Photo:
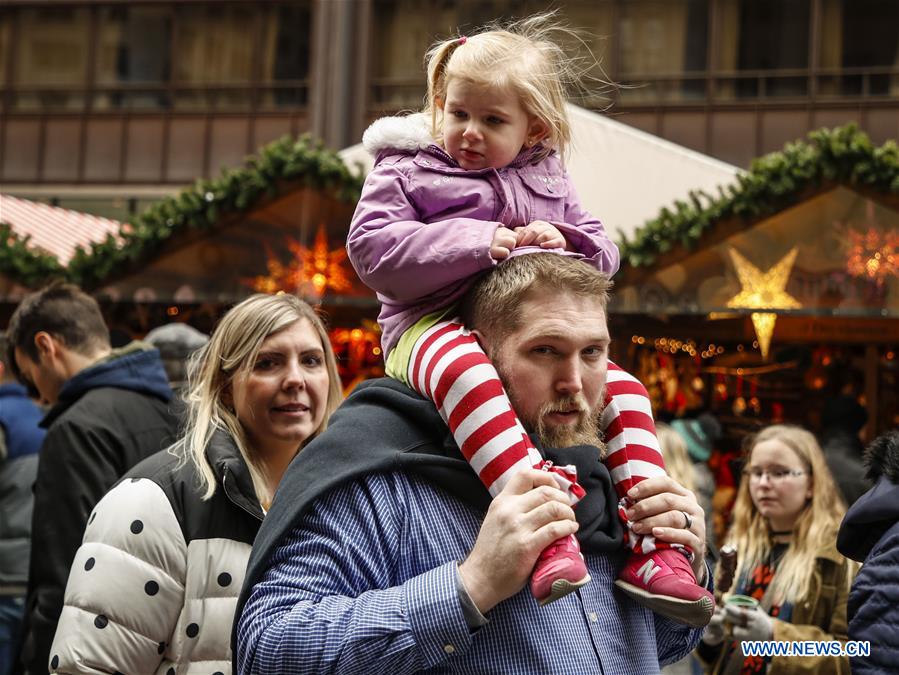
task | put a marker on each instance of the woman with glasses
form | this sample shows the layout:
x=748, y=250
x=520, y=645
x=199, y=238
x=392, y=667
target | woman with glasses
x=785, y=522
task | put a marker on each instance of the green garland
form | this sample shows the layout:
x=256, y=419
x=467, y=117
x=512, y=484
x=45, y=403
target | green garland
x=773, y=183
x=202, y=206
x=23, y=264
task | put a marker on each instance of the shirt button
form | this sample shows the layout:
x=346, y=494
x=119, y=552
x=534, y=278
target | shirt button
x=593, y=617
x=449, y=649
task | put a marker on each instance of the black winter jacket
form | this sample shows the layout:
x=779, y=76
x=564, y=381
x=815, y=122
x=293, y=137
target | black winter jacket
x=870, y=534
x=108, y=418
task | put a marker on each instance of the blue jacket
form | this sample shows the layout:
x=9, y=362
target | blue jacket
x=19, y=419
x=870, y=533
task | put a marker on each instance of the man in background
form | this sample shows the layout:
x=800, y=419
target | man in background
x=109, y=410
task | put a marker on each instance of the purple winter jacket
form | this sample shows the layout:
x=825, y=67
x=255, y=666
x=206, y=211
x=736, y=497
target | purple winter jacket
x=421, y=232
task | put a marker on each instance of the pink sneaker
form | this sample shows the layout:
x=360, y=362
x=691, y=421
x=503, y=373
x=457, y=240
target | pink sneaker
x=664, y=582
x=560, y=569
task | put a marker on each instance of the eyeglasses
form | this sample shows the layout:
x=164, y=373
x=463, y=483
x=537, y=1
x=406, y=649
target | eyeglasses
x=775, y=475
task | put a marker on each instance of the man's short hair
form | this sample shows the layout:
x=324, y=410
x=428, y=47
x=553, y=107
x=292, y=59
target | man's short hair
x=493, y=304
x=64, y=311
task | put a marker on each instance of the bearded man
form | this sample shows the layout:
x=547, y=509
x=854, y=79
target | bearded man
x=383, y=552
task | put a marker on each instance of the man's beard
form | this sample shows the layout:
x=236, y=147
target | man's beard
x=585, y=431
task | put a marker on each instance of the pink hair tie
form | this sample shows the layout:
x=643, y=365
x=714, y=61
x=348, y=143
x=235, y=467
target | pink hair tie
x=461, y=41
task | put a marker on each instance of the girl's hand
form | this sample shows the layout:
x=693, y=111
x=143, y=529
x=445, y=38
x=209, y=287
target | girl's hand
x=542, y=234
x=504, y=241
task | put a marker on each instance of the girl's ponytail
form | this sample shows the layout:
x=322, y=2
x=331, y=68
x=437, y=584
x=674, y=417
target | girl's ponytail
x=437, y=60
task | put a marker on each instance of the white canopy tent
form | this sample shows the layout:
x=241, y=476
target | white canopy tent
x=623, y=175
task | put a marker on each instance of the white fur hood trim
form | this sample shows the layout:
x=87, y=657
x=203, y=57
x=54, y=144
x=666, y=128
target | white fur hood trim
x=410, y=133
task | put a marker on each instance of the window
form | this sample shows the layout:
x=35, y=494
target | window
x=6, y=19
x=759, y=38
x=51, y=58
x=663, y=49
x=285, y=58
x=214, y=48
x=133, y=57
x=859, y=48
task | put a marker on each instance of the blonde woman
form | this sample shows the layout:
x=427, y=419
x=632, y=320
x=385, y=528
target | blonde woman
x=155, y=582
x=674, y=452
x=785, y=522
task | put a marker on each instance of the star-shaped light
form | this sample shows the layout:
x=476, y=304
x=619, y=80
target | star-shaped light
x=763, y=290
x=310, y=272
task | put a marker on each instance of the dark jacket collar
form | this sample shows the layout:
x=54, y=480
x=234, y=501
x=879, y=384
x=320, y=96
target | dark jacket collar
x=232, y=473
x=868, y=519
x=137, y=368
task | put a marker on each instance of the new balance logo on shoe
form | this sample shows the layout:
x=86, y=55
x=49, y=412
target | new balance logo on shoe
x=648, y=571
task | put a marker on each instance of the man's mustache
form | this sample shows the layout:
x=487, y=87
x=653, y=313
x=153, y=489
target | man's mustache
x=567, y=404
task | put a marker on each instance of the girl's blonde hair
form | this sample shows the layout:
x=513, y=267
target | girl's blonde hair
x=674, y=452
x=230, y=354
x=524, y=56
x=816, y=526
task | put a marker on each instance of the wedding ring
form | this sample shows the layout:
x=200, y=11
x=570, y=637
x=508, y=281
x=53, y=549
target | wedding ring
x=688, y=521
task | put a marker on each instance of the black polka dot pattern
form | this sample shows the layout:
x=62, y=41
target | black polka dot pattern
x=54, y=662
x=161, y=648
x=137, y=527
x=218, y=672
x=170, y=671
x=93, y=515
x=89, y=564
x=193, y=630
x=151, y=588
x=224, y=579
x=101, y=621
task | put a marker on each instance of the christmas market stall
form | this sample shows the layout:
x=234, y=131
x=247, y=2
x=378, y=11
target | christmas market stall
x=774, y=297
x=276, y=224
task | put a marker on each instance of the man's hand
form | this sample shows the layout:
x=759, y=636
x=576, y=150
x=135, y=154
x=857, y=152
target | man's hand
x=661, y=503
x=526, y=517
x=542, y=234
x=504, y=240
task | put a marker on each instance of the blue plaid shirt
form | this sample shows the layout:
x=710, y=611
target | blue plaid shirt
x=368, y=585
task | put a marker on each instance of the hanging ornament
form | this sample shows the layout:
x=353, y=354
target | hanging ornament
x=721, y=388
x=755, y=405
x=739, y=405
x=777, y=412
x=872, y=253
x=816, y=377
x=763, y=290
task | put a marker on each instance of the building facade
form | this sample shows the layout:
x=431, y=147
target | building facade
x=108, y=105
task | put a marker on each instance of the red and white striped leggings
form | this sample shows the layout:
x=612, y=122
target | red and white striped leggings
x=449, y=367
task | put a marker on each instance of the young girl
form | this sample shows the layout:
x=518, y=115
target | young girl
x=454, y=191
x=785, y=524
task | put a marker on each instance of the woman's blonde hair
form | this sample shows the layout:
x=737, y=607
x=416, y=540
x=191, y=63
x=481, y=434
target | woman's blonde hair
x=229, y=354
x=815, y=527
x=674, y=452
x=524, y=56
